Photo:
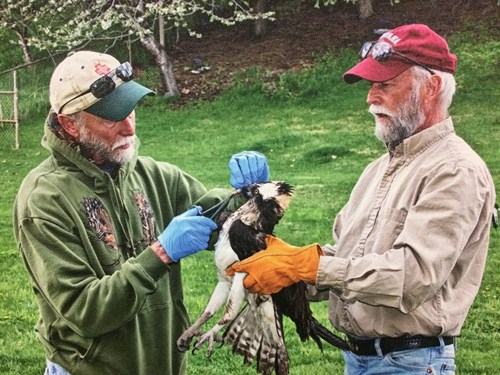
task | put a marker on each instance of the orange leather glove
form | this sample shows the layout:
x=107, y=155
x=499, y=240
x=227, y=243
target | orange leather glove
x=279, y=266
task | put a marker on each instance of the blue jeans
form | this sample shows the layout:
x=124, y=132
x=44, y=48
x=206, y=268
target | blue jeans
x=54, y=369
x=438, y=360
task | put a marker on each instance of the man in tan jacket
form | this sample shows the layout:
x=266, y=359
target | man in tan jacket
x=411, y=242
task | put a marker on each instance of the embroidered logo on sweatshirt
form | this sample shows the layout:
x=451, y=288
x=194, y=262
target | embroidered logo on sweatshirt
x=99, y=220
x=147, y=217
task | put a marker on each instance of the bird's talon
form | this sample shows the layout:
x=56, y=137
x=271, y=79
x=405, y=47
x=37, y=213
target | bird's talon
x=196, y=346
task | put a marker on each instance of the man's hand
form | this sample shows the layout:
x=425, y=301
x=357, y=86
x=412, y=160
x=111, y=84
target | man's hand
x=187, y=234
x=248, y=167
x=278, y=267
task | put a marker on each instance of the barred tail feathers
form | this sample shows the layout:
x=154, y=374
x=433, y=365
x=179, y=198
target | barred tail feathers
x=244, y=335
x=257, y=333
x=273, y=354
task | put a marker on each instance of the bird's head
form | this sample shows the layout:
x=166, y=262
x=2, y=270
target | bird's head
x=267, y=204
x=277, y=191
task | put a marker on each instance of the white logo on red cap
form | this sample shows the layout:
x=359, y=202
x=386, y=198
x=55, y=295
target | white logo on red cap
x=394, y=39
x=102, y=69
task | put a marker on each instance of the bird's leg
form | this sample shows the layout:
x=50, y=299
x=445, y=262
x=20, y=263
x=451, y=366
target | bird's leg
x=236, y=296
x=217, y=299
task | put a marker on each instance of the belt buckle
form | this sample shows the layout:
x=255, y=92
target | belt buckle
x=354, y=346
x=362, y=348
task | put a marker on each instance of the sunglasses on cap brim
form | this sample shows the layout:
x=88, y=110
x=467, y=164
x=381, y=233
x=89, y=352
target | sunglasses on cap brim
x=383, y=51
x=106, y=84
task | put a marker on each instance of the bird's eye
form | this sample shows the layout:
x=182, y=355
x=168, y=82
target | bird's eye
x=256, y=192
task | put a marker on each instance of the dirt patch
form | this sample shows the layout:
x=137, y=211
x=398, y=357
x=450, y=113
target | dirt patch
x=294, y=40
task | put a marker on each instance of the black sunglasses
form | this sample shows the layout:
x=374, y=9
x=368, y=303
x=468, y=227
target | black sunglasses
x=383, y=51
x=106, y=84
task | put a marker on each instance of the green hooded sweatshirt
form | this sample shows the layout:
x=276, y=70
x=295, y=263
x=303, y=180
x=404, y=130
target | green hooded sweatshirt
x=108, y=304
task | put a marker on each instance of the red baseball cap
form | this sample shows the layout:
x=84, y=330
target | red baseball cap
x=417, y=42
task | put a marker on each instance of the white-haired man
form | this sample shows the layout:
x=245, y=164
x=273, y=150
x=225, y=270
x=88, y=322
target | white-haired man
x=101, y=230
x=411, y=242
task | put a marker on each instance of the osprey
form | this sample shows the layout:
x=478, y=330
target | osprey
x=256, y=331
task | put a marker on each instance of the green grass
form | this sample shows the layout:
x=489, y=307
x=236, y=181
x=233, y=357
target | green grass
x=317, y=135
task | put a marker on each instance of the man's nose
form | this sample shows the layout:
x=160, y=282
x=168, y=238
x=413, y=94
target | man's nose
x=373, y=96
x=127, y=125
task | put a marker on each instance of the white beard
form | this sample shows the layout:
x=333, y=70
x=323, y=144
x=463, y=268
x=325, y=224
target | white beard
x=94, y=147
x=400, y=124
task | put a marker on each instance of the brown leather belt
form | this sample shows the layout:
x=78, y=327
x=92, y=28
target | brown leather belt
x=395, y=344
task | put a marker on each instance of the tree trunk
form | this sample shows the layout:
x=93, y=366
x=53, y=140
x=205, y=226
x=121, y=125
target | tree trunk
x=365, y=9
x=25, y=48
x=164, y=64
x=260, y=25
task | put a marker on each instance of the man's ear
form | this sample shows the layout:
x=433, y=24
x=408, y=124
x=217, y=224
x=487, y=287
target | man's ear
x=432, y=87
x=69, y=125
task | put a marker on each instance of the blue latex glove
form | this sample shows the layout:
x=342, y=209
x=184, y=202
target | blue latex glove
x=187, y=234
x=248, y=167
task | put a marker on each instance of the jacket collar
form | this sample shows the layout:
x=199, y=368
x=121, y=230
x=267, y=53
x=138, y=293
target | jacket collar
x=419, y=142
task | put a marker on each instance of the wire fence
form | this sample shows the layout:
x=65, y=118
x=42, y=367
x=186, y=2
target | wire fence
x=9, y=114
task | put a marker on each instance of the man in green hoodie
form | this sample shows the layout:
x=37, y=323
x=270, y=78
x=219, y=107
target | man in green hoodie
x=101, y=230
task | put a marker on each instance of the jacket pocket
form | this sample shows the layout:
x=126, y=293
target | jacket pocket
x=388, y=228
x=89, y=354
x=107, y=254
